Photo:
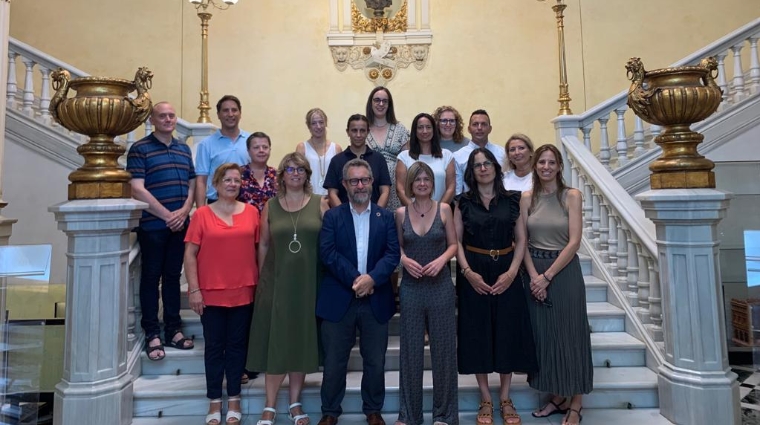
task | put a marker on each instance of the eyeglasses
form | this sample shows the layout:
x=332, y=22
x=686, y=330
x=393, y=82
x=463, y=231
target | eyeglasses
x=230, y=180
x=364, y=180
x=378, y=101
x=295, y=170
x=447, y=121
x=485, y=164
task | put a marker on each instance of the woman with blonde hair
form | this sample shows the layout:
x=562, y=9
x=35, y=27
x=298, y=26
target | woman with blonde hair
x=519, y=163
x=317, y=149
x=284, y=332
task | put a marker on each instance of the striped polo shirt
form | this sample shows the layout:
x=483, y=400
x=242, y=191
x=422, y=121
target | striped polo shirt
x=167, y=171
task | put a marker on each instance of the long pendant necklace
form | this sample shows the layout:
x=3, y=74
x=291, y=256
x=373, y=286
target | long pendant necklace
x=321, y=159
x=414, y=205
x=295, y=245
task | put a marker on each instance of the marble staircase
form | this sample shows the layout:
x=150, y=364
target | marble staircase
x=174, y=389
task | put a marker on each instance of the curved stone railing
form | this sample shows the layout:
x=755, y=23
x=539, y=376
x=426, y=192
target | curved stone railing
x=620, y=239
x=32, y=96
x=613, y=117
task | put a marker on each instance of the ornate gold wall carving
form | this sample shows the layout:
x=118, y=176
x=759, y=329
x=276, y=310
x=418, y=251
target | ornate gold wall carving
x=362, y=24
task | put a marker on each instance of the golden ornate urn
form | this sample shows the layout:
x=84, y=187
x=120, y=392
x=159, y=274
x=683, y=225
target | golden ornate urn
x=675, y=98
x=101, y=110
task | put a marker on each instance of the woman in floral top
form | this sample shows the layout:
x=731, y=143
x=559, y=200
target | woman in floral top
x=259, y=180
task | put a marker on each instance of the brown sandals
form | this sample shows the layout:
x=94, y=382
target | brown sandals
x=509, y=418
x=485, y=418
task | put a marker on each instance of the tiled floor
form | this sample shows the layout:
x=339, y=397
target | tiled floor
x=749, y=393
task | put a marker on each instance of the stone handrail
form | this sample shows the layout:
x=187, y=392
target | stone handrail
x=32, y=97
x=620, y=239
x=613, y=116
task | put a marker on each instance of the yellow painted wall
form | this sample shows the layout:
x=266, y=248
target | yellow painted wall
x=496, y=54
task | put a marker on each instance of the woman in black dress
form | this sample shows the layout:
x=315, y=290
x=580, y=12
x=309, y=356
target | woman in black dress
x=494, y=332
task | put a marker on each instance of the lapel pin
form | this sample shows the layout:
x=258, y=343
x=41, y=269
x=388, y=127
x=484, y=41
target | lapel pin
x=377, y=213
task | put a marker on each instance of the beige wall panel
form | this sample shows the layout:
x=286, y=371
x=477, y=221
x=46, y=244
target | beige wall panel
x=500, y=55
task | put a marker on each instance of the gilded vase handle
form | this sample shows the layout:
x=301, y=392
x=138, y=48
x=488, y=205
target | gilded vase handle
x=60, y=78
x=142, y=102
x=711, y=64
x=638, y=96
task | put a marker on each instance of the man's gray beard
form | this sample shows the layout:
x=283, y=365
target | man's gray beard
x=360, y=198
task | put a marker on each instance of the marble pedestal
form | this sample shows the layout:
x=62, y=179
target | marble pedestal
x=96, y=388
x=696, y=384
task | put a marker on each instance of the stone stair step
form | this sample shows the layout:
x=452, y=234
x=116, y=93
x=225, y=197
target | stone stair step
x=616, y=349
x=165, y=395
x=596, y=293
x=590, y=417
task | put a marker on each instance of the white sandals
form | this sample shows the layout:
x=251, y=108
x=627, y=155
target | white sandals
x=233, y=416
x=296, y=418
x=268, y=421
x=216, y=416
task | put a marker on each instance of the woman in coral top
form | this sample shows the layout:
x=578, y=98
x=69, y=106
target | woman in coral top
x=221, y=271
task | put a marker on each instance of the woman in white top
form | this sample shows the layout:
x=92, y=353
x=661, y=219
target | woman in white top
x=519, y=159
x=425, y=146
x=318, y=150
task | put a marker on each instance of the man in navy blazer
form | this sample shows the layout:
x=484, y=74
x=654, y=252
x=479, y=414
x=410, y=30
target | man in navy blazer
x=358, y=246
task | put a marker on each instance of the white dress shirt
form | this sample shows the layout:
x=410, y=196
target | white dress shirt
x=361, y=232
x=462, y=155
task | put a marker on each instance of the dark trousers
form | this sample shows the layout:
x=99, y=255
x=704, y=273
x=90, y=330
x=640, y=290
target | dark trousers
x=337, y=340
x=162, y=253
x=225, y=330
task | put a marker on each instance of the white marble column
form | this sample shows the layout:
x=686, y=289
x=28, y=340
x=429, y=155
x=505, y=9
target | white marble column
x=696, y=385
x=96, y=388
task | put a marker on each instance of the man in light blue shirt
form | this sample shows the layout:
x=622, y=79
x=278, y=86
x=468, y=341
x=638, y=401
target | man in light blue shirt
x=226, y=145
x=480, y=128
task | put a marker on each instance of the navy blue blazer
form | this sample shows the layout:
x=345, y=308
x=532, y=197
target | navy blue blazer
x=337, y=250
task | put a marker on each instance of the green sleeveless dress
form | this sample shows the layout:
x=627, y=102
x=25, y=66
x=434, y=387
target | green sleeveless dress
x=284, y=326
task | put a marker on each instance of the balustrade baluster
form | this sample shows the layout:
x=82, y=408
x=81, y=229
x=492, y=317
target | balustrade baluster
x=12, y=87
x=622, y=257
x=588, y=208
x=148, y=128
x=622, y=138
x=596, y=219
x=632, y=268
x=604, y=147
x=586, y=129
x=654, y=131
x=28, y=99
x=604, y=232
x=574, y=180
x=643, y=284
x=638, y=137
x=45, y=95
x=738, y=81
x=722, y=83
x=612, y=241
x=655, y=302
x=754, y=67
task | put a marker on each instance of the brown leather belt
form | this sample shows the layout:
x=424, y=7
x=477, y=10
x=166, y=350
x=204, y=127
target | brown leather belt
x=494, y=253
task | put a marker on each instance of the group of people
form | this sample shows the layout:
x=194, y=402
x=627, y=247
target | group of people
x=285, y=264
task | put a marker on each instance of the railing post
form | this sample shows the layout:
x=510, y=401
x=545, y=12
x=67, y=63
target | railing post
x=45, y=95
x=95, y=353
x=622, y=138
x=738, y=72
x=722, y=83
x=586, y=129
x=588, y=208
x=604, y=146
x=622, y=256
x=612, y=241
x=12, y=87
x=632, y=268
x=28, y=99
x=696, y=384
x=638, y=137
x=604, y=231
x=754, y=64
x=643, y=284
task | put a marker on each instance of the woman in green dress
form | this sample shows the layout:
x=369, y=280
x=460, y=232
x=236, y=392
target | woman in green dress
x=284, y=327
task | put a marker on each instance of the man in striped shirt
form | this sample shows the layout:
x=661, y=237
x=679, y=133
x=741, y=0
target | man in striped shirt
x=163, y=176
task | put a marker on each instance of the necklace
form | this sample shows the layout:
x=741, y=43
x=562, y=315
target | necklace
x=381, y=126
x=321, y=159
x=414, y=205
x=295, y=245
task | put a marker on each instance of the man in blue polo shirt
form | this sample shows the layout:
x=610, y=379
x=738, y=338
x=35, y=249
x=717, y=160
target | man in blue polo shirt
x=163, y=177
x=226, y=145
x=357, y=129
